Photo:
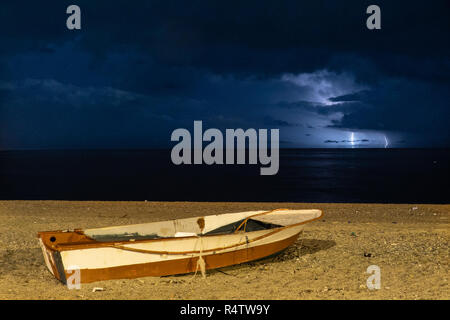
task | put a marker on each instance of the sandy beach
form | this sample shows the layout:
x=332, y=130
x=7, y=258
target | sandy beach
x=409, y=242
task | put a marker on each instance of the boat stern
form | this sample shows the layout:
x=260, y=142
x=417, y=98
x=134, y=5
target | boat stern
x=52, y=258
x=49, y=240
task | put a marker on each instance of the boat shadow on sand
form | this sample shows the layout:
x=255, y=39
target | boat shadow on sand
x=20, y=263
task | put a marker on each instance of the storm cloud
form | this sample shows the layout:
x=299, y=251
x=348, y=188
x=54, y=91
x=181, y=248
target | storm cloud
x=137, y=70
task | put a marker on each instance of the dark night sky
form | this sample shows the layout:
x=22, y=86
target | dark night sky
x=139, y=69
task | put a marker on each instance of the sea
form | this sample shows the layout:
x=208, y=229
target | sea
x=305, y=175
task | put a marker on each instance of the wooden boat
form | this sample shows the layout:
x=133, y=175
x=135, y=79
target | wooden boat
x=171, y=247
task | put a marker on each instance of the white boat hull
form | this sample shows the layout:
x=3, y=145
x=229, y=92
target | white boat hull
x=103, y=260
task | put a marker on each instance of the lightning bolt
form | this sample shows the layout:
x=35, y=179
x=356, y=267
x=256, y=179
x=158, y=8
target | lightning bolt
x=386, y=142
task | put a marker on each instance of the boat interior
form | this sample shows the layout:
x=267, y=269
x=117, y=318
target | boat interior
x=188, y=227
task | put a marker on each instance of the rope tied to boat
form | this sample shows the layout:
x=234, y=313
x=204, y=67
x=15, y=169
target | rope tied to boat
x=244, y=223
x=200, y=261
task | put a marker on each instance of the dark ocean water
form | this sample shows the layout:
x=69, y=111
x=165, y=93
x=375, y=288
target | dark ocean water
x=305, y=175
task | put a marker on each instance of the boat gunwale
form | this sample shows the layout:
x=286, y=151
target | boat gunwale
x=119, y=244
